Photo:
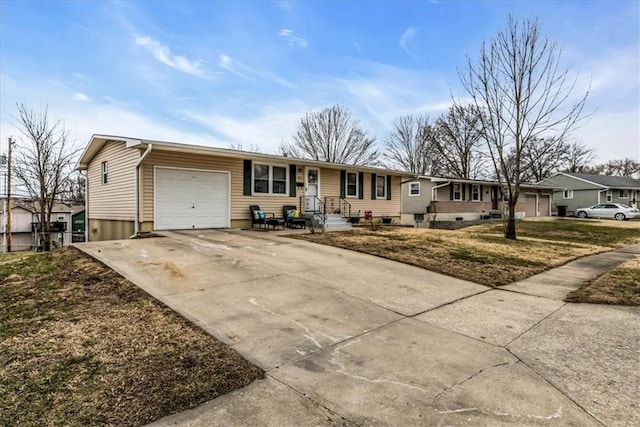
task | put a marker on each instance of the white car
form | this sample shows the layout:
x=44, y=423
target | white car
x=609, y=210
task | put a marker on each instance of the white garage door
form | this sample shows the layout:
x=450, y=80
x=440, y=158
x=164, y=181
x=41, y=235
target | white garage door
x=530, y=205
x=191, y=199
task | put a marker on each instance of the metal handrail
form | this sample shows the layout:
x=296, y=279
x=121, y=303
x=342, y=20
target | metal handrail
x=318, y=202
x=337, y=205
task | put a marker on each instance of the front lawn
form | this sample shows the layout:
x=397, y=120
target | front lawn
x=80, y=345
x=619, y=286
x=481, y=254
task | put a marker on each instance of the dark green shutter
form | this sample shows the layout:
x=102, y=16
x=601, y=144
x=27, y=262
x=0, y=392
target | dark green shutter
x=292, y=180
x=247, y=178
x=343, y=183
x=388, y=187
x=361, y=185
x=373, y=186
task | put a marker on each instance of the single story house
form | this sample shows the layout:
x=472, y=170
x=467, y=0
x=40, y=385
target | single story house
x=136, y=185
x=450, y=199
x=581, y=190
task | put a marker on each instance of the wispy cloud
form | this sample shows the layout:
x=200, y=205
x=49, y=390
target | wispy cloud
x=163, y=54
x=406, y=38
x=241, y=70
x=235, y=67
x=79, y=96
x=292, y=39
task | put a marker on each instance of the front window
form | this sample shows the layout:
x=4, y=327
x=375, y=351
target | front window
x=457, y=191
x=269, y=179
x=609, y=196
x=567, y=194
x=475, y=192
x=381, y=186
x=414, y=189
x=624, y=194
x=352, y=184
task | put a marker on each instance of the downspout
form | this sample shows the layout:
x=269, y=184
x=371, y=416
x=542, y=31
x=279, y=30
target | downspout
x=599, y=195
x=433, y=190
x=86, y=206
x=136, y=226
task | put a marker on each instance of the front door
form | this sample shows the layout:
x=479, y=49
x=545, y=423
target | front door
x=312, y=190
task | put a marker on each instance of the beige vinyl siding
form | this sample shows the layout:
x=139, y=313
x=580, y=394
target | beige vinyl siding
x=329, y=186
x=239, y=202
x=116, y=199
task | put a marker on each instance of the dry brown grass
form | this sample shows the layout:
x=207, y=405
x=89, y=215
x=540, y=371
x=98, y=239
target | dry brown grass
x=80, y=345
x=480, y=254
x=618, y=286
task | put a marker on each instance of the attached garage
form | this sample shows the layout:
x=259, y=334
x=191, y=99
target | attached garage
x=530, y=205
x=189, y=199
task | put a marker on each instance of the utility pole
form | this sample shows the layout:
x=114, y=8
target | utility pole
x=8, y=228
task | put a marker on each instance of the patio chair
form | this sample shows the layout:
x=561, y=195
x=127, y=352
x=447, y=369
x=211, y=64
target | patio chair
x=292, y=221
x=259, y=217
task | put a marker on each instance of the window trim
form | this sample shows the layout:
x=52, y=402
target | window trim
x=459, y=199
x=346, y=185
x=567, y=194
x=104, y=173
x=270, y=179
x=609, y=197
x=384, y=180
x=620, y=196
x=419, y=189
x=479, y=193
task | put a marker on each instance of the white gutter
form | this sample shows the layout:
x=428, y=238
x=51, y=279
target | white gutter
x=136, y=227
x=433, y=190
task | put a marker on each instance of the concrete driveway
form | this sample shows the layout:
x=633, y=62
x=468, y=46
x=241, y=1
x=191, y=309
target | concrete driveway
x=350, y=338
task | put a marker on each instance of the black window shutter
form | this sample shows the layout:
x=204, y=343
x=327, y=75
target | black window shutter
x=388, y=187
x=247, y=178
x=343, y=183
x=373, y=186
x=361, y=185
x=462, y=189
x=292, y=180
x=451, y=191
x=480, y=188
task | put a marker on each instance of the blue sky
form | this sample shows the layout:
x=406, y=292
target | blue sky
x=244, y=72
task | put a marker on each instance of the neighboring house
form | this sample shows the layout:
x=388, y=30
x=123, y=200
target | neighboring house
x=21, y=232
x=579, y=190
x=450, y=199
x=138, y=186
x=24, y=222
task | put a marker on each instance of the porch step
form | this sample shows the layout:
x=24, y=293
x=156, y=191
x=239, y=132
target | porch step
x=336, y=222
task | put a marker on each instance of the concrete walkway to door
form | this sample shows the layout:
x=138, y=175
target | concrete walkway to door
x=351, y=338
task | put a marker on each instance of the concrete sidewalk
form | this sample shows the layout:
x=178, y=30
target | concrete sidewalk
x=350, y=338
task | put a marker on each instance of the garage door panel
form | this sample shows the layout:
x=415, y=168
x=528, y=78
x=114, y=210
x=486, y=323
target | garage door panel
x=545, y=204
x=191, y=199
x=529, y=205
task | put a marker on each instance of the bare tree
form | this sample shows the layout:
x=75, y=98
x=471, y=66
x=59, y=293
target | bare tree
x=43, y=163
x=459, y=142
x=410, y=145
x=523, y=95
x=254, y=148
x=578, y=158
x=542, y=158
x=618, y=167
x=331, y=135
x=73, y=189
